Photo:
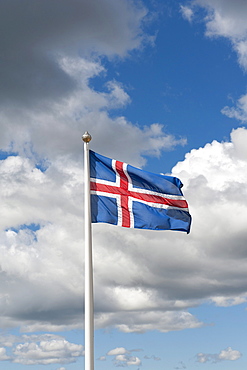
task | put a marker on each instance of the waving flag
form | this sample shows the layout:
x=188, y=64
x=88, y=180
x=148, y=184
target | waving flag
x=129, y=197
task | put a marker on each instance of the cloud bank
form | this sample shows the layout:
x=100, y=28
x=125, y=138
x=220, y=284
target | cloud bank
x=41, y=238
x=40, y=249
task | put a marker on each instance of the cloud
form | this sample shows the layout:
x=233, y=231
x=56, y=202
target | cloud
x=39, y=349
x=36, y=34
x=187, y=12
x=132, y=360
x=122, y=357
x=229, y=301
x=56, y=351
x=46, y=89
x=117, y=351
x=222, y=19
x=3, y=355
x=149, y=320
x=40, y=293
x=225, y=355
x=56, y=131
x=239, y=112
x=229, y=354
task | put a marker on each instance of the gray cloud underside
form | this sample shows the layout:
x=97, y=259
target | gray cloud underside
x=34, y=34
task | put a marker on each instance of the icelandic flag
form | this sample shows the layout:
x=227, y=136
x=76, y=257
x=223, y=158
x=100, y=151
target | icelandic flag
x=129, y=197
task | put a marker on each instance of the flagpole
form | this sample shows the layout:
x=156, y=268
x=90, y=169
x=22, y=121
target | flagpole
x=89, y=302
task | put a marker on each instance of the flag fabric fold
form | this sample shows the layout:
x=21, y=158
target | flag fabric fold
x=130, y=197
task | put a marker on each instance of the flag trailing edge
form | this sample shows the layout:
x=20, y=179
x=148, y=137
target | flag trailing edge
x=130, y=197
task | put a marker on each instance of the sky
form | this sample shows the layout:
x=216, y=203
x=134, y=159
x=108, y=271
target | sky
x=160, y=85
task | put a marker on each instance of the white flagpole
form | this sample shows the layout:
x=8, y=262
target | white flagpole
x=89, y=302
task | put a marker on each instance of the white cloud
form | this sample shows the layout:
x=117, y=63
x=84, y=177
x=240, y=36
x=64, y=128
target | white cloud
x=241, y=49
x=225, y=355
x=123, y=358
x=117, y=351
x=163, y=320
x=239, y=112
x=117, y=97
x=39, y=349
x=225, y=18
x=229, y=354
x=229, y=301
x=47, y=352
x=3, y=355
x=187, y=12
x=202, y=357
x=133, y=360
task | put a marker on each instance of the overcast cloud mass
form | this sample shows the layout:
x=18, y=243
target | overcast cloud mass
x=50, y=54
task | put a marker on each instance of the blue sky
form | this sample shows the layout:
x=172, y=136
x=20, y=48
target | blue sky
x=160, y=85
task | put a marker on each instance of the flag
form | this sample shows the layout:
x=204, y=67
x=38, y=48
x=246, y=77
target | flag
x=130, y=197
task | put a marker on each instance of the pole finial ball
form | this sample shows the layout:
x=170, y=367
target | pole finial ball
x=86, y=137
